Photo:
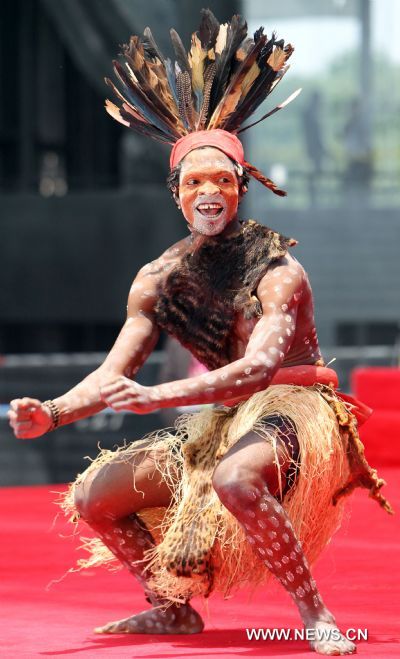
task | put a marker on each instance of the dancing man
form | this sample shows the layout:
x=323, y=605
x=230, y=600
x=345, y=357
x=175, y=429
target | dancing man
x=253, y=486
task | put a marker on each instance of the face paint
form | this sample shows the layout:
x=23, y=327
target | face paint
x=208, y=190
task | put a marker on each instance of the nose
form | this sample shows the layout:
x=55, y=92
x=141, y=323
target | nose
x=208, y=187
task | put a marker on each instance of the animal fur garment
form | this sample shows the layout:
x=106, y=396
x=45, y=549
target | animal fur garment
x=199, y=299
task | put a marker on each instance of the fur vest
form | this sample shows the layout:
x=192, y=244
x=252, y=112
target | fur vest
x=200, y=298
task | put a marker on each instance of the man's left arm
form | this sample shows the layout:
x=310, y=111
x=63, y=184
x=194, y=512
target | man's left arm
x=279, y=292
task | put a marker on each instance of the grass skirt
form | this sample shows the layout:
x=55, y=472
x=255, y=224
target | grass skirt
x=200, y=546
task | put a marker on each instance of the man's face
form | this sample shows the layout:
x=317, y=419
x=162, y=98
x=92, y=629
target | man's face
x=208, y=190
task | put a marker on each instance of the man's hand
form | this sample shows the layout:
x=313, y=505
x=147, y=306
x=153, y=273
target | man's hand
x=125, y=394
x=29, y=418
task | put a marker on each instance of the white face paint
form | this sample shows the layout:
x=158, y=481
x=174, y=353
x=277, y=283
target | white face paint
x=208, y=190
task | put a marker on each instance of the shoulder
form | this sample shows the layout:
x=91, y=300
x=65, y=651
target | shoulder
x=166, y=260
x=286, y=266
x=278, y=243
x=145, y=285
x=285, y=278
x=163, y=263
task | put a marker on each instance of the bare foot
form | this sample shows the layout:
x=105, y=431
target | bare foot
x=174, y=620
x=328, y=638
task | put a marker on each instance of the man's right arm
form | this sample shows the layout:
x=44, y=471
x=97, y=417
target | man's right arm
x=30, y=418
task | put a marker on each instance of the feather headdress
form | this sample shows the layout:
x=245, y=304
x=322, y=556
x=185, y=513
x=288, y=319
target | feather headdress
x=217, y=85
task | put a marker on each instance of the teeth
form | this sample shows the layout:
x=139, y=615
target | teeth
x=208, y=206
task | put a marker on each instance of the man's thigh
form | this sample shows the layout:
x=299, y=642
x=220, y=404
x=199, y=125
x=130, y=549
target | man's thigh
x=272, y=456
x=130, y=481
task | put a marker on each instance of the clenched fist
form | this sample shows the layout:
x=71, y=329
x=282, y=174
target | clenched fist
x=29, y=418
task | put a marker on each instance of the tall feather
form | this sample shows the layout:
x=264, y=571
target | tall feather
x=278, y=107
x=245, y=74
x=180, y=52
x=137, y=98
x=208, y=30
x=208, y=83
x=151, y=78
x=197, y=58
x=125, y=116
x=169, y=69
x=150, y=46
x=262, y=85
x=186, y=109
x=229, y=39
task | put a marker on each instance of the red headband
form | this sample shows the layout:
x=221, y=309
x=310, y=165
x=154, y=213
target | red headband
x=225, y=142
x=218, y=138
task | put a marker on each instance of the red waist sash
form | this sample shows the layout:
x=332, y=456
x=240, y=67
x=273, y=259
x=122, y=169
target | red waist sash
x=307, y=375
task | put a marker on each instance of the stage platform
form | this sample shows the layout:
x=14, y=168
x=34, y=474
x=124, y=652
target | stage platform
x=358, y=575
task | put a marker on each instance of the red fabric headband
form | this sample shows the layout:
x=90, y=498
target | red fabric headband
x=225, y=142
x=221, y=139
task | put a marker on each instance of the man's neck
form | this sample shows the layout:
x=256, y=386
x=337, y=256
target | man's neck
x=232, y=228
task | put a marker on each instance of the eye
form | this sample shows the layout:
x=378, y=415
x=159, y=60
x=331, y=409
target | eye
x=192, y=181
x=224, y=179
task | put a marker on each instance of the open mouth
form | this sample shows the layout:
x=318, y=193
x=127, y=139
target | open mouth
x=210, y=210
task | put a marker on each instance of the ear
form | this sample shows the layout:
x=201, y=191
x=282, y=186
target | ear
x=175, y=195
x=242, y=191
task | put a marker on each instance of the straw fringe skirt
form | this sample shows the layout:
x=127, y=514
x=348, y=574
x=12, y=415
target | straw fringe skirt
x=200, y=546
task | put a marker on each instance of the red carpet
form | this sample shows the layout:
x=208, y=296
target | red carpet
x=359, y=576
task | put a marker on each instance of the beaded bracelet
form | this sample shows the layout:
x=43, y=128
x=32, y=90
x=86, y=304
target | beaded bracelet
x=55, y=414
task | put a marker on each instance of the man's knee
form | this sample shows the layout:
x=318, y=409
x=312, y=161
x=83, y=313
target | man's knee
x=90, y=498
x=236, y=486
